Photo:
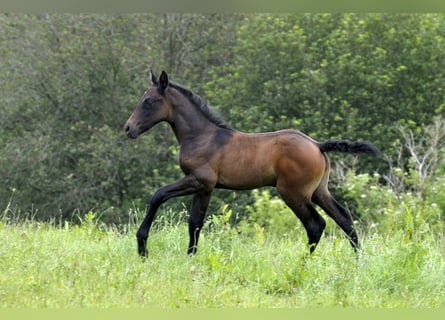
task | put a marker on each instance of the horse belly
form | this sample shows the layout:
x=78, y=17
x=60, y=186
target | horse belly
x=247, y=173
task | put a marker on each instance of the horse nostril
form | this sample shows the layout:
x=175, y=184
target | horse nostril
x=130, y=131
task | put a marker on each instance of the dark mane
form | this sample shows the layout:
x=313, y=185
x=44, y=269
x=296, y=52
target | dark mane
x=202, y=105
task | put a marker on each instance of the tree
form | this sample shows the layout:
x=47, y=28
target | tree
x=69, y=82
x=334, y=76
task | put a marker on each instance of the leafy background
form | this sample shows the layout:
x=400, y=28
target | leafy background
x=70, y=81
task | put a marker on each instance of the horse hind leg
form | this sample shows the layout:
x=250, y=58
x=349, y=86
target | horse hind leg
x=323, y=198
x=314, y=226
x=309, y=217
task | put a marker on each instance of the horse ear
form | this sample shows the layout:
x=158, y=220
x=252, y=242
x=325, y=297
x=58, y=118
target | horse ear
x=163, y=82
x=154, y=78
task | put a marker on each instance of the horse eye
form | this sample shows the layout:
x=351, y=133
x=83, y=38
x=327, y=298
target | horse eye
x=151, y=100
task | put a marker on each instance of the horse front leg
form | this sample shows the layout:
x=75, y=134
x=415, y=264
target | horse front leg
x=185, y=186
x=200, y=204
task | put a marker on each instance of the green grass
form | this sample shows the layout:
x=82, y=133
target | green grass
x=42, y=265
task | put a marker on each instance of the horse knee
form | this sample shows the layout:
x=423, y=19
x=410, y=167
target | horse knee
x=156, y=200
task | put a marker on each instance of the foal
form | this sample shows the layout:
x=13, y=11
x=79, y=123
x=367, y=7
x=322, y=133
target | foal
x=212, y=155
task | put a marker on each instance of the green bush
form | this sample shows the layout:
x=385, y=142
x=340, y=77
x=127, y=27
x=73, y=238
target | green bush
x=381, y=210
x=70, y=81
x=270, y=213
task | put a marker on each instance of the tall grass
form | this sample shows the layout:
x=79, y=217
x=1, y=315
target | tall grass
x=90, y=264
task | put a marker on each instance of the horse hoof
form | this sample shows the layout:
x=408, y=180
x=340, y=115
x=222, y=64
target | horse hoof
x=143, y=253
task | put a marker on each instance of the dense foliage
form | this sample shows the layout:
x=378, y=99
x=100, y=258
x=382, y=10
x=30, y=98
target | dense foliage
x=69, y=82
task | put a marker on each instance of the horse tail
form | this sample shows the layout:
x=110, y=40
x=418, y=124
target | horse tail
x=347, y=146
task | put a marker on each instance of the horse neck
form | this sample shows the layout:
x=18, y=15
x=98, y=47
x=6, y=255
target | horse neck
x=189, y=124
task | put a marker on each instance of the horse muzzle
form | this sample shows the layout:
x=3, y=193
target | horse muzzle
x=131, y=131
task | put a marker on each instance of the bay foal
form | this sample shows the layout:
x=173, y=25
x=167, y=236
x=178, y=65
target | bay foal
x=213, y=155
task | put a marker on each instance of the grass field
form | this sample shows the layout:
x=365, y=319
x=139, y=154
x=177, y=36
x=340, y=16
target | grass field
x=90, y=265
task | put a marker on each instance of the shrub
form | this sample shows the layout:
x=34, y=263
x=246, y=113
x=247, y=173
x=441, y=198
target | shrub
x=270, y=213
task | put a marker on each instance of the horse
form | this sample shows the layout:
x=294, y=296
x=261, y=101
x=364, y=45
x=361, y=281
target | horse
x=212, y=155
